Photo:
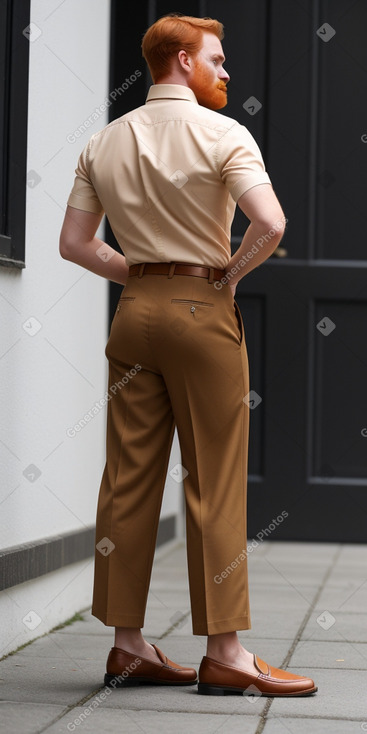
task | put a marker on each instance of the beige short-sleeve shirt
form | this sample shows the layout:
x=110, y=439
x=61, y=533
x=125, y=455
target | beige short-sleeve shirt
x=168, y=175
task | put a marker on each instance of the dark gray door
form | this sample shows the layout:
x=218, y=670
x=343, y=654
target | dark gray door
x=305, y=315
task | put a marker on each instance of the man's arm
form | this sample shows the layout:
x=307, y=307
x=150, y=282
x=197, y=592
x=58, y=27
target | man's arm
x=266, y=229
x=79, y=244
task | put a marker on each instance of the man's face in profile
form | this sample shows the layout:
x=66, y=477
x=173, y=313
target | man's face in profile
x=209, y=80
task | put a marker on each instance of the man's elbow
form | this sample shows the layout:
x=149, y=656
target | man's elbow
x=272, y=229
x=66, y=249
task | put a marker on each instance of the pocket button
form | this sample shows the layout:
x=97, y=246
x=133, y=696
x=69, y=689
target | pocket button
x=192, y=309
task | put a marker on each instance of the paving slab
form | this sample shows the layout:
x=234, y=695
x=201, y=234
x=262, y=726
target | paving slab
x=89, y=626
x=175, y=561
x=348, y=574
x=177, y=575
x=332, y=655
x=266, y=623
x=352, y=553
x=261, y=549
x=348, y=626
x=341, y=695
x=275, y=571
x=166, y=619
x=162, y=598
x=289, y=725
x=151, y=722
x=62, y=646
x=281, y=596
x=183, y=629
x=347, y=597
x=302, y=552
x=28, y=718
x=176, y=571
x=159, y=621
x=273, y=624
x=183, y=650
x=183, y=699
x=51, y=683
x=46, y=680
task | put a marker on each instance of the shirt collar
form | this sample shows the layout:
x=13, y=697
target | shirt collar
x=171, y=91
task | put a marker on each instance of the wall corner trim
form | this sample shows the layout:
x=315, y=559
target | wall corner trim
x=30, y=560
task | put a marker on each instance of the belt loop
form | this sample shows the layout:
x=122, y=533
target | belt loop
x=211, y=275
x=171, y=271
x=141, y=270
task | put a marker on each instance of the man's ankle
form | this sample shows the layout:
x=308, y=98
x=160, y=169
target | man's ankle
x=126, y=637
x=224, y=645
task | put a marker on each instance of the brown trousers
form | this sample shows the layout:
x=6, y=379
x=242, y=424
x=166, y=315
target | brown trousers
x=177, y=356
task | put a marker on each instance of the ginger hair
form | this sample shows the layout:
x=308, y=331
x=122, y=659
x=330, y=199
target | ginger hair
x=172, y=33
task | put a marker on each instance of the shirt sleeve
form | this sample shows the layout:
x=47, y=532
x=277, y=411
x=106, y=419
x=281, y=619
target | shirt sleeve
x=83, y=194
x=241, y=162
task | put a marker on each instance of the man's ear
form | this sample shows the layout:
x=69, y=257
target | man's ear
x=185, y=61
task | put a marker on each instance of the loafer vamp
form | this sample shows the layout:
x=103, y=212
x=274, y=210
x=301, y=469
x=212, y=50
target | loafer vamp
x=269, y=681
x=125, y=664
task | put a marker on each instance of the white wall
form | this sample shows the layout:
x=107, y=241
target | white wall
x=53, y=328
x=54, y=325
x=52, y=376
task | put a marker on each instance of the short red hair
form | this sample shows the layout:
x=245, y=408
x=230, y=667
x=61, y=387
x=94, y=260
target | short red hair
x=171, y=33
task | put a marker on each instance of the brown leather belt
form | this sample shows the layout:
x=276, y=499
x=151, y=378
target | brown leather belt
x=171, y=269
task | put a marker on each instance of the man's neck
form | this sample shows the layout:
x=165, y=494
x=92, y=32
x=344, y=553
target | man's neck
x=173, y=80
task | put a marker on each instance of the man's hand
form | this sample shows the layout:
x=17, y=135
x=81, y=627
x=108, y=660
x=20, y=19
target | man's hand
x=79, y=244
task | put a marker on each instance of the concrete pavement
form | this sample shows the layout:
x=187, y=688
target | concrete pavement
x=308, y=606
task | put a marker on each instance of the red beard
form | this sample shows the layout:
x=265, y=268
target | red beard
x=209, y=93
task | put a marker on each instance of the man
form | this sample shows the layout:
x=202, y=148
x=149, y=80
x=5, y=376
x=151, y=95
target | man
x=168, y=176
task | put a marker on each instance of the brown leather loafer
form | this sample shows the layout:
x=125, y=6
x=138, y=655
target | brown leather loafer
x=217, y=679
x=126, y=669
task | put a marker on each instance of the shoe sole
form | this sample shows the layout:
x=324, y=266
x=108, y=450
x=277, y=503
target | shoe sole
x=115, y=682
x=208, y=690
